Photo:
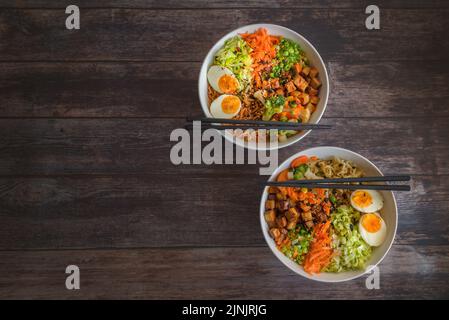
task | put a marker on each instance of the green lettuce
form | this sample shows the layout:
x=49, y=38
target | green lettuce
x=352, y=251
x=235, y=55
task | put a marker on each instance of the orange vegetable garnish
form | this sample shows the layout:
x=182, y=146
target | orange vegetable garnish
x=320, y=251
x=264, y=50
x=283, y=176
x=298, y=161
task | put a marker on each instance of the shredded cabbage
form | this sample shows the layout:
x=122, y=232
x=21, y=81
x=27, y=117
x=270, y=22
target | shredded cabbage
x=352, y=251
x=235, y=55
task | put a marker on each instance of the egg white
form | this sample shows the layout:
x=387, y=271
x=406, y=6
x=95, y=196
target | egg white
x=374, y=239
x=376, y=205
x=217, y=111
x=215, y=73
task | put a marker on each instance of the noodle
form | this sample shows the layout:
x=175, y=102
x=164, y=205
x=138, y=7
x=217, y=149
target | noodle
x=211, y=94
x=252, y=109
x=335, y=168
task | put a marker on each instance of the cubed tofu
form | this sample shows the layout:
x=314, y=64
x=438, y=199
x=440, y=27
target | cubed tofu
x=281, y=222
x=292, y=214
x=305, y=71
x=270, y=217
x=290, y=86
x=312, y=91
x=303, y=86
x=315, y=83
x=275, y=83
x=296, y=93
x=270, y=204
x=314, y=99
x=304, y=98
x=275, y=233
x=273, y=190
x=311, y=107
x=298, y=80
x=306, y=215
x=279, y=196
x=304, y=115
x=313, y=72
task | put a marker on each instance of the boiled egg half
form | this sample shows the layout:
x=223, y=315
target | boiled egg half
x=222, y=80
x=225, y=106
x=367, y=200
x=373, y=229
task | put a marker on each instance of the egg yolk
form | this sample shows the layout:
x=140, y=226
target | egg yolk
x=371, y=222
x=362, y=199
x=228, y=84
x=230, y=104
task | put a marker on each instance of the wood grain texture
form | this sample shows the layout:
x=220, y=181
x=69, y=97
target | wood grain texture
x=150, y=35
x=102, y=89
x=216, y=4
x=158, y=211
x=85, y=174
x=141, y=146
x=213, y=273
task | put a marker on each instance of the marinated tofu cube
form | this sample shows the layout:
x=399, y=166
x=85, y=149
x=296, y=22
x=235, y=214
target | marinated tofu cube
x=270, y=204
x=313, y=72
x=270, y=217
x=305, y=71
x=292, y=214
x=314, y=99
x=281, y=222
x=290, y=86
x=315, y=83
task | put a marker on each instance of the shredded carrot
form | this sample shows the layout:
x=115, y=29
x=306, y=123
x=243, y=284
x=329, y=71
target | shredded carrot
x=298, y=161
x=320, y=252
x=264, y=51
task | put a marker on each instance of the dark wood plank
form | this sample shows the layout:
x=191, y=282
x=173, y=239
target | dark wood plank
x=214, y=4
x=213, y=273
x=99, y=89
x=140, y=146
x=163, y=211
x=161, y=35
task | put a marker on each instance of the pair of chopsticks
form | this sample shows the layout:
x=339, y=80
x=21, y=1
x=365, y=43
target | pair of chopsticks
x=224, y=124
x=340, y=183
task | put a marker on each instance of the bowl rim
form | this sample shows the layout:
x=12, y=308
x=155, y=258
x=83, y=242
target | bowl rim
x=278, y=254
x=293, y=139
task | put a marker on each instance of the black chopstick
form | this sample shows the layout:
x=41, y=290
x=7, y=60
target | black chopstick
x=349, y=180
x=244, y=127
x=339, y=186
x=260, y=124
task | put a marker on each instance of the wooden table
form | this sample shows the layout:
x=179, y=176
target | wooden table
x=85, y=174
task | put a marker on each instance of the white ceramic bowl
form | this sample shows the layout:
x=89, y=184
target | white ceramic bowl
x=311, y=53
x=389, y=213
